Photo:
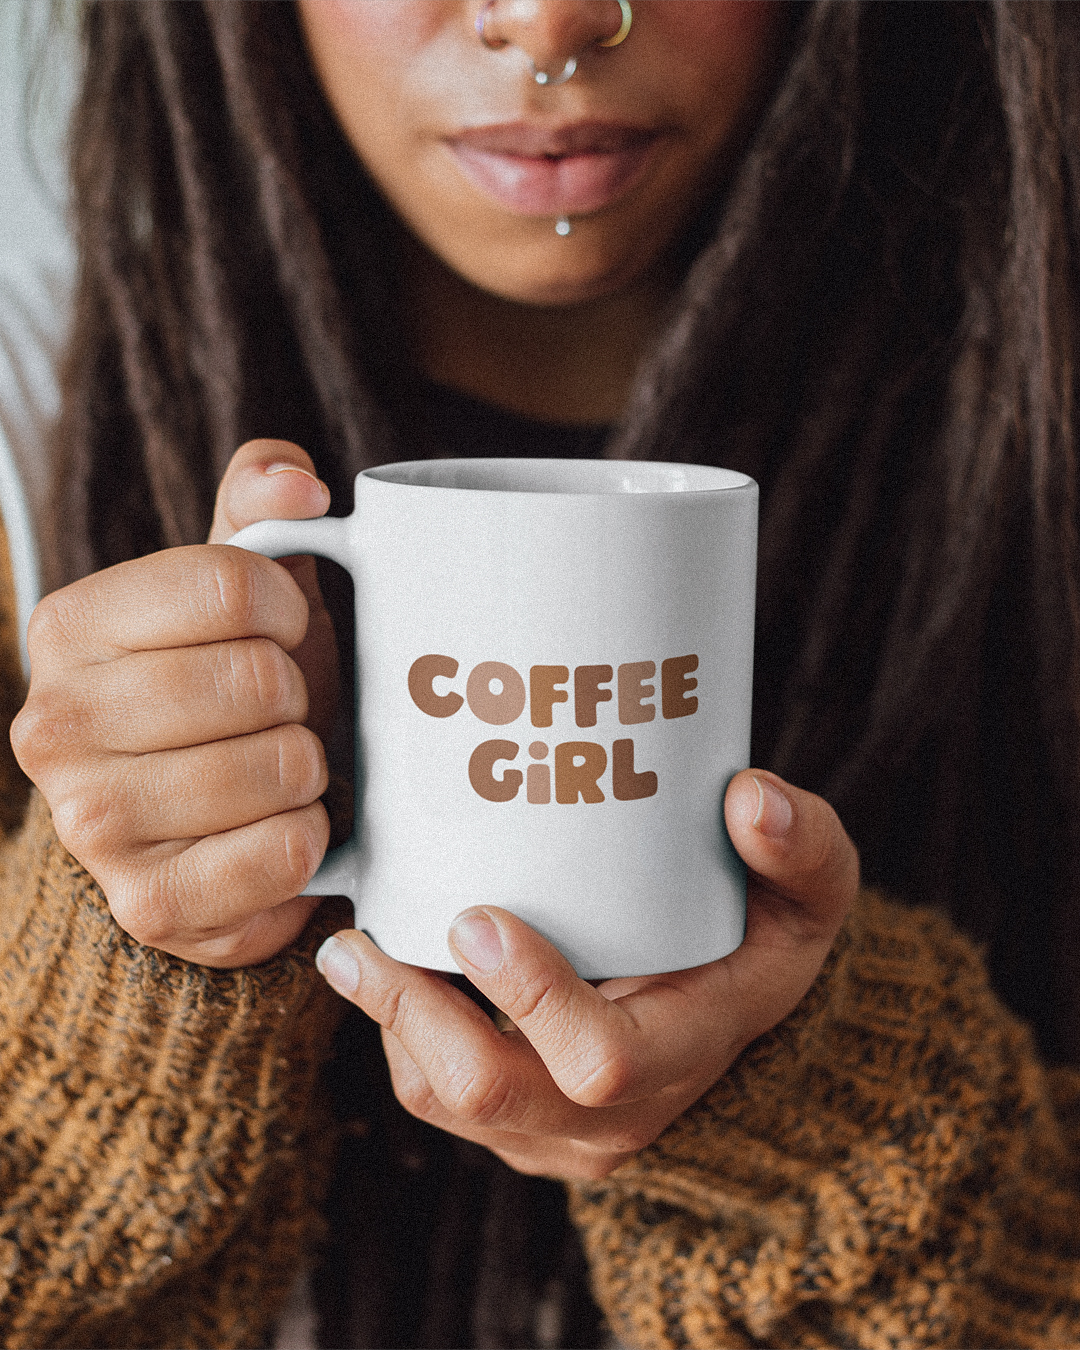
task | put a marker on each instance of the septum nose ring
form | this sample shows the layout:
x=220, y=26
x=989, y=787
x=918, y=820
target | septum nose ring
x=543, y=77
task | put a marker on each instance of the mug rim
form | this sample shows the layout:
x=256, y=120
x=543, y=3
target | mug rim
x=409, y=473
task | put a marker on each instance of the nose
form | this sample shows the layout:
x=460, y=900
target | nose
x=549, y=32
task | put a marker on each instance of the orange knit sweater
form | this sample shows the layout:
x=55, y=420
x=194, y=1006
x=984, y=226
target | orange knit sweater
x=889, y=1167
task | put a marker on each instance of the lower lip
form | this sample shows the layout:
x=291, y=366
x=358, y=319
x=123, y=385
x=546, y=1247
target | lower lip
x=574, y=185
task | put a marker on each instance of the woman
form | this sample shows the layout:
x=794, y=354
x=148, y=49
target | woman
x=832, y=247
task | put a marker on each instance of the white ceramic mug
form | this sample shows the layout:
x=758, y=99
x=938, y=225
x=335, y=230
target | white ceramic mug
x=554, y=663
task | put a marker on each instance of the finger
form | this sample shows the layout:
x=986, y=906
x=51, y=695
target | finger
x=534, y=1154
x=478, y=1083
x=668, y=1036
x=804, y=875
x=220, y=882
x=217, y=691
x=599, y=1051
x=254, y=941
x=317, y=655
x=797, y=851
x=481, y=1077
x=267, y=480
x=177, y=598
x=275, y=480
x=241, y=780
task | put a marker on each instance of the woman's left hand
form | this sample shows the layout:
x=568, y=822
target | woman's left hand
x=589, y=1075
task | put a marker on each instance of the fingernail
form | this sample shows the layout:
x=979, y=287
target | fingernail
x=774, y=812
x=288, y=468
x=294, y=468
x=337, y=965
x=477, y=939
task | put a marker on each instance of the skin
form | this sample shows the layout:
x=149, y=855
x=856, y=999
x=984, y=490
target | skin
x=173, y=727
x=178, y=703
x=501, y=305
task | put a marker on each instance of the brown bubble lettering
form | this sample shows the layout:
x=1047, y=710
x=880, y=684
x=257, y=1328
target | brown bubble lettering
x=578, y=765
x=495, y=709
x=538, y=777
x=574, y=780
x=626, y=783
x=675, y=686
x=538, y=784
x=422, y=674
x=632, y=690
x=482, y=763
x=543, y=694
x=588, y=692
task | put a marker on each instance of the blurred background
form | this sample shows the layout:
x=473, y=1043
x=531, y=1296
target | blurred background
x=38, y=70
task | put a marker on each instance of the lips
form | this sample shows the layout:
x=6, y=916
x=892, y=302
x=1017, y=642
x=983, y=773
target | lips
x=538, y=171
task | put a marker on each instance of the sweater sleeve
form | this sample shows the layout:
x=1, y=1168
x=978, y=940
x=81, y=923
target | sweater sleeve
x=161, y=1150
x=890, y=1167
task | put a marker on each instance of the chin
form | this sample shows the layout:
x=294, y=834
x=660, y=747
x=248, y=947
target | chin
x=556, y=273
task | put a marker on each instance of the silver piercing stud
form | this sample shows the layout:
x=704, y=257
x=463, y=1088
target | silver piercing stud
x=562, y=226
x=542, y=76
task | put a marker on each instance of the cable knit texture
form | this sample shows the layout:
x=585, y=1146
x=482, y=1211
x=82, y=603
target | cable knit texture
x=888, y=1168
x=159, y=1175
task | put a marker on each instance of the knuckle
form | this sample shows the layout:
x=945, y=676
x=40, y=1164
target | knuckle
x=45, y=731
x=480, y=1097
x=92, y=823
x=303, y=844
x=54, y=620
x=629, y=1139
x=534, y=1166
x=540, y=999
x=143, y=906
x=263, y=668
x=604, y=1078
x=830, y=859
x=234, y=592
x=42, y=623
x=819, y=847
x=225, y=948
x=301, y=763
x=416, y=1096
x=388, y=1004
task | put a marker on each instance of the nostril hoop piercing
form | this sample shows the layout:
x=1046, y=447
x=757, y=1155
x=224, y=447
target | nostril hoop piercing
x=544, y=78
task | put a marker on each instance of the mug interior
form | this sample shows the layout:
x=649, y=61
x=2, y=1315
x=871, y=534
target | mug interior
x=564, y=476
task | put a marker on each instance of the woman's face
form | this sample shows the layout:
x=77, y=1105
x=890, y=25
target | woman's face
x=480, y=161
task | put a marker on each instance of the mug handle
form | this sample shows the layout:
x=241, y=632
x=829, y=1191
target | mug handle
x=328, y=537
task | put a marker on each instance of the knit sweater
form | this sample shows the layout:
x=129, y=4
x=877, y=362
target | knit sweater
x=889, y=1167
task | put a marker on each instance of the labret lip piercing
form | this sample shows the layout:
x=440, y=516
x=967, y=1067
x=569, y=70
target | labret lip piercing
x=544, y=78
x=562, y=226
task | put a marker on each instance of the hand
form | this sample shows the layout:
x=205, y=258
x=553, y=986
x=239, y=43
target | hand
x=588, y=1076
x=172, y=734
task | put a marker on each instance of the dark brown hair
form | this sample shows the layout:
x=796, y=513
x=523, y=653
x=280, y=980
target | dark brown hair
x=880, y=327
x=879, y=324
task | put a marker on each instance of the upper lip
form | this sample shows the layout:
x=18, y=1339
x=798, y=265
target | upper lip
x=526, y=140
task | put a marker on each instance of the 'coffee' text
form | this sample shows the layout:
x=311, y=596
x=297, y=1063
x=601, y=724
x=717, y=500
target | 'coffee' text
x=547, y=688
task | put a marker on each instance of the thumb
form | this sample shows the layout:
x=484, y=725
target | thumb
x=804, y=870
x=275, y=480
x=267, y=480
x=804, y=876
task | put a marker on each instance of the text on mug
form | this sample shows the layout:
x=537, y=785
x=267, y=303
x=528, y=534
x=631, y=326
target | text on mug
x=634, y=702
x=579, y=765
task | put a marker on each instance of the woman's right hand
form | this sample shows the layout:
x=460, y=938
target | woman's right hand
x=169, y=726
